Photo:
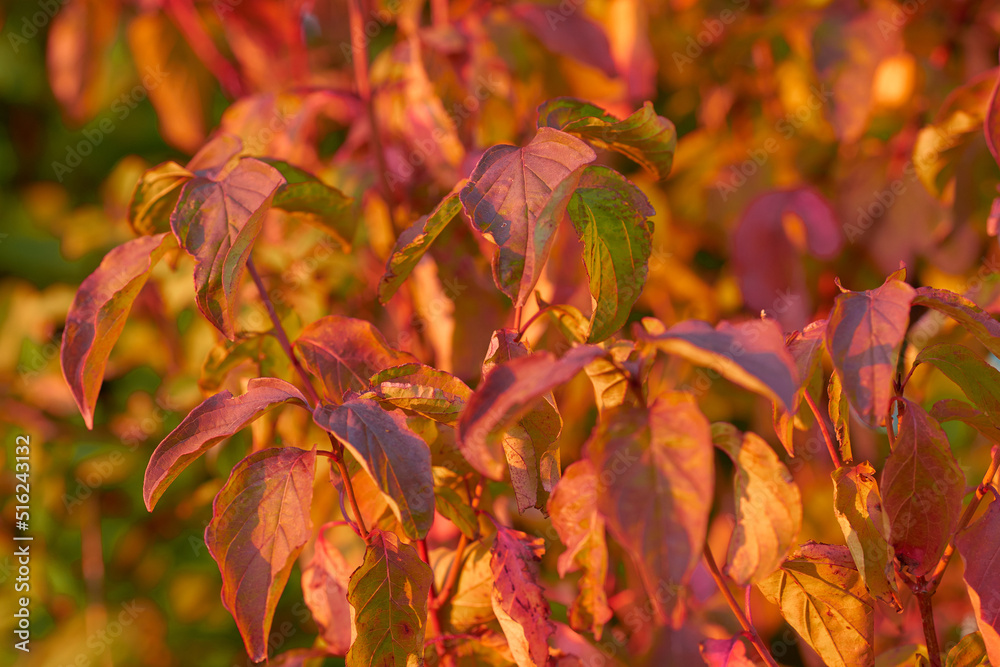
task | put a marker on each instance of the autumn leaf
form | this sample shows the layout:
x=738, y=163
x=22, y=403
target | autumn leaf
x=567, y=33
x=518, y=600
x=396, y=458
x=922, y=490
x=978, y=380
x=970, y=651
x=752, y=354
x=451, y=505
x=470, y=605
x=573, y=508
x=730, y=652
x=155, y=196
x=656, y=472
x=822, y=596
x=345, y=352
x=324, y=589
x=980, y=550
x=413, y=243
x=840, y=414
x=97, y=315
x=217, y=220
x=971, y=317
x=517, y=196
x=858, y=506
x=389, y=595
x=806, y=348
x=648, y=139
x=951, y=409
x=863, y=336
x=768, y=506
x=260, y=522
x=216, y=418
x=610, y=375
x=422, y=390
x=610, y=216
x=306, y=197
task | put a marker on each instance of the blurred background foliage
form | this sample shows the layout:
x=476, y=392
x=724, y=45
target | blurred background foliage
x=876, y=107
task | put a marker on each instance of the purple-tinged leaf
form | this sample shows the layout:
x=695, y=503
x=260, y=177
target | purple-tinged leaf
x=260, y=523
x=922, y=490
x=752, y=354
x=517, y=196
x=396, y=458
x=863, y=337
x=344, y=352
x=657, y=476
x=730, y=652
x=217, y=417
x=324, y=588
x=979, y=546
x=951, y=409
x=97, y=315
x=971, y=317
x=569, y=34
x=518, y=599
x=217, y=221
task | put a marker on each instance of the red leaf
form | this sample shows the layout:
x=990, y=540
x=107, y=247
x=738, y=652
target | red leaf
x=324, y=588
x=656, y=468
x=751, y=354
x=97, y=315
x=517, y=196
x=217, y=417
x=970, y=316
x=344, y=353
x=518, y=599
x=396, y=458
x=979, y=546
x=260, y=522
x=730, y=652
x=922, y=489
x=217, y=221
x=768, y=260
x=568, y=33
x=863, y=336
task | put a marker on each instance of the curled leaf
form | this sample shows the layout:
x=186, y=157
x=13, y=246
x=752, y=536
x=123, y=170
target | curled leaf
x=518, y=600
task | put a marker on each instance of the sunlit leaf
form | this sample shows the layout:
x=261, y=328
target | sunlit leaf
x=977, y=379
x=979, y=546
x=518, y=600
x=306, y=197
x=451, y=504
x=971, y=317
x=752, y=354
x=97, y=315
x=395, y=457
x=611, y=384
x=568, y=33
x=768, y=506
x=217, y=220
x=422, y=389
x=573, y=507
x=389, y=595
x=610, y=216
x=217, y=417
x=260, y=522
x=863, y=336
x=656, y=471
x=821, y=595
x=155, y=196
x=952, y=409
x=858, y=506
x=922, y=489
x=517, y=196
x=970, y=651
x=730, y=652
x=645, y=137
x=324, y=588
x=413, y=243
x=471, y=603
x=840, y=414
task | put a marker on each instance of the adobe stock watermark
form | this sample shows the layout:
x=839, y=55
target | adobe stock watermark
x=785, y=127
x=31, y=25
x=121, y=107
x=712, y=30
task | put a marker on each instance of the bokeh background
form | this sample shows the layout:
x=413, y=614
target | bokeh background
x=817, y=140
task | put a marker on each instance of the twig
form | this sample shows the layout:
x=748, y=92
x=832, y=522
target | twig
x=833, y=449
x=456, y=565
x=517, y=317
x=432, y=617
x=927, y=617
x=750, y=631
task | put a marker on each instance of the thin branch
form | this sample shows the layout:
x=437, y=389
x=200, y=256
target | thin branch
x=927, y=617
x=432, y=617
x=838, y=462
x=456, y=564
x=750, y=631
x=517, y=317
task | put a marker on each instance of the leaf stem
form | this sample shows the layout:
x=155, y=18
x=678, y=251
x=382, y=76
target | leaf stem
x=748, y=628
x=927, y=617
x=517, y=317
x=838, y=462
x=432, y=613
x=338, y=457
x=970, y=510
x=456, y=565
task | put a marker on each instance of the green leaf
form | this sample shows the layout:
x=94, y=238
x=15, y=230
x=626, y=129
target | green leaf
x=155, y=196
x=768, y=506
x=396, y=458
x=657, y=476
x=470, y=604
x=451, y=505
x=971, y=317
x=306, y=197
x=414, y=242
x=648, y=139
x=610, y=215
x=840, y=414
x=423, y=390
x=858, y=506
x=821, y=595
x=970, y=651
x=951, y=409
x=389, y=595
x=260, y=523
x=979, y=381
